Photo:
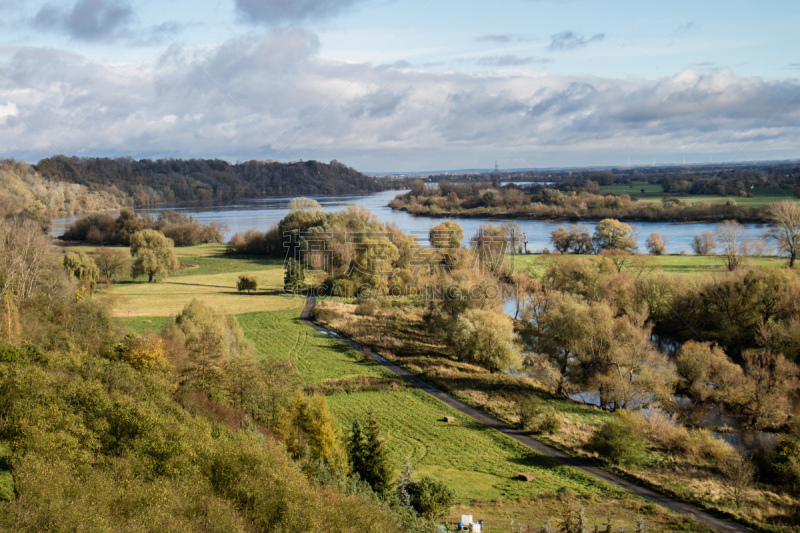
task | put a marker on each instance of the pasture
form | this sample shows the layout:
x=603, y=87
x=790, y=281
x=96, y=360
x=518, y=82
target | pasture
x=691, y=266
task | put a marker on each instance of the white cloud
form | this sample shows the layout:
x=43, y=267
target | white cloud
x=271, y=96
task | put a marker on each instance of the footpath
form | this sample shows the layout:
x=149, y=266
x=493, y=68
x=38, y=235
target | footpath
x=685, y=509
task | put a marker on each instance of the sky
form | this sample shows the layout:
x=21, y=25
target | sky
x=403, y=86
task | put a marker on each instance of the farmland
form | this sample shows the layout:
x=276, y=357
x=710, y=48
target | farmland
x=479, y=463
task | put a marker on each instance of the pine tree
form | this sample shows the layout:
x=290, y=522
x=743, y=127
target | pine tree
x=368, y=457
x=294, y=279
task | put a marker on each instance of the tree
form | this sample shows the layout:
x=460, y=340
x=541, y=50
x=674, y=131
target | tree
x=785, y=231
x=704, y=244
x=431, y=498
x=575, y=240
x=127, y=224
x=304, y=204
x=247, y=283
x=153, y=255
x=487, y=339
x=295, y=278
x=735, y=244
x=9, y=318
x=307, y=427
x=656, y=244
x=739, y=472
x=83, y=268
x=111, y=262
x=368, y=458
x=446, y=235
x=610, y=234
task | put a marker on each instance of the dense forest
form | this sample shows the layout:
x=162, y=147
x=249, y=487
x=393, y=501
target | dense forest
x=147, y=182
x=25, y=194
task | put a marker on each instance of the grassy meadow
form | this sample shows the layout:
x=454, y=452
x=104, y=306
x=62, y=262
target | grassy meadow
x=206, y=273
x=683, y=265
x=479, y=463
x=653, y=192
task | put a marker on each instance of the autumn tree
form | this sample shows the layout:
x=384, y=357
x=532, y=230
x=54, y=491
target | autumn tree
x=785, y=231
x=611, y=234
x=704, y=244
x=446, y=235
x=24, y=257
x=111, y=262
x=308, y=427
x=487, y=339
x=142, y=353
x=656, y=244
x=9, y=318
x=732, y=237
x=576, y=239
x=127, y=224
x=153, y=255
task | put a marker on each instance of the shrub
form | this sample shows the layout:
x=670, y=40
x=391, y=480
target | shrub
x=529, y=409
x=247, y=283
x=431, y=498
x=550, y=424
x=619, y=440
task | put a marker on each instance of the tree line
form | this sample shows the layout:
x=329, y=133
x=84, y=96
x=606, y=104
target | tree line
x=146, y=182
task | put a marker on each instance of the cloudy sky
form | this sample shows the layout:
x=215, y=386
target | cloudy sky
x=390, y=85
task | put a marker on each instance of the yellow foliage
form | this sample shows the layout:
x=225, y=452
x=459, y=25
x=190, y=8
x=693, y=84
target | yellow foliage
x=142, y=353
x=9, y=318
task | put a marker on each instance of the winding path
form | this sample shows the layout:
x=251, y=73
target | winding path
x=685, y=509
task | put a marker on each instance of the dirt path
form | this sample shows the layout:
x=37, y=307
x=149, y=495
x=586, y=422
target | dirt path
x=699, y=515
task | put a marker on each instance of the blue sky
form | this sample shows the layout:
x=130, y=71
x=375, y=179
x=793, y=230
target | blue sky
x=402, y=86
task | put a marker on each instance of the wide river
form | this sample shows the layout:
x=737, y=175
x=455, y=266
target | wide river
x=241, y=215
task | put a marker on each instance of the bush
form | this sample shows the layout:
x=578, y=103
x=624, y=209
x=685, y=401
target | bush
x=431, y=498
x=529, y=409
x=619, y=441
x=550, y=424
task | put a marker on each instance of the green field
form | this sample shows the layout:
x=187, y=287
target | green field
x=683, y=265
x=478, y=462
x=653, y=192
x=207, y=273
x=281, y=335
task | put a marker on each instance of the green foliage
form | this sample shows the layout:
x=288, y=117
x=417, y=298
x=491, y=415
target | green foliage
x=619, y=441
x=82, y=267
x=153, y=255
x=295, y=278
x=247, y=283
x=368, y=457
x=431, y=498
x=107, y=448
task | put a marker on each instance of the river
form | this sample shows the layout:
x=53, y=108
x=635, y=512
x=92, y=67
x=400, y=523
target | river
x=241, y=215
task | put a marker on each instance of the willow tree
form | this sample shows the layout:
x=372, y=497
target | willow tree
x=153, y=255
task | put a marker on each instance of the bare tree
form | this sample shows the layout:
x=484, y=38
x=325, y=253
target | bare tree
x=785, y=231
x=705, y=244
x=734, y=241
x=739, y=472
x=24, y=253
